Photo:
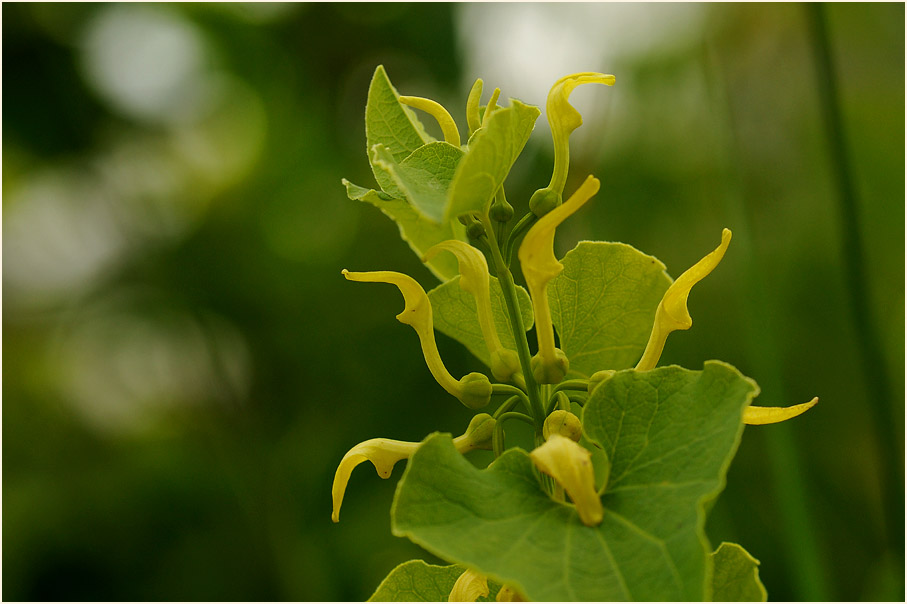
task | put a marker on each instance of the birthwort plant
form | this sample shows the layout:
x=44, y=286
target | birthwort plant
x=611, y=502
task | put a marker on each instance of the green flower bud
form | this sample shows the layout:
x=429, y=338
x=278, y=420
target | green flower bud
x=501, y=211
x=598, y=377
x=478, y=434
x=552, y=372
x=543, y=201
x=474, y=390
x=563, y=423
x=504, y=364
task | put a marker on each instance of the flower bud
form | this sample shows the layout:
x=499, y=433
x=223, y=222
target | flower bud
x=501, y=211
x=543, y=201
x=474, y=227
x=478, y=433
x=563, y=423
x=551, y=372
x=598, y=377
x=475, y=390
x=505, y=364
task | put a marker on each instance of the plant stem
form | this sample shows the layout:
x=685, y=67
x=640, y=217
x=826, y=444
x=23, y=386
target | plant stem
x=505, y=279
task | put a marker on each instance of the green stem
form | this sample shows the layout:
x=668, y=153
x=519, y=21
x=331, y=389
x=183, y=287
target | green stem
x=497, y=437
x=572, y=385
x=516, y=415
x=519, y=229
x=505, y=279
x=508, y=405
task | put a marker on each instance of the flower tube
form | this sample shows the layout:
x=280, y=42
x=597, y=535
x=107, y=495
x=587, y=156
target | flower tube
x=437, y=111
x=571, y=466
x=473, y=389
x=474, y=279
x=540, y=266
x=563, y=119
x=672, y=312
x=384, y=453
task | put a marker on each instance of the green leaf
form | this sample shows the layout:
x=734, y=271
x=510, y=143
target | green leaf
x=491, y=153
x=670, y=434
x=736, y=576
x=455, y=315
x=603, y=305
x=419, y=232
x=389, y=123
x=416, y=581
x=423, y=177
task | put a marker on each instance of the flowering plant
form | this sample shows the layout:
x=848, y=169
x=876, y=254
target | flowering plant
x=610, y=503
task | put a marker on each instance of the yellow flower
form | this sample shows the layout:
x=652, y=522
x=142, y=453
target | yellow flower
x=672, y=312
x=474, y=279
x=473, y=389
x=473, y=121
x=384, y=453
x=756, y=416
x=540, y=266
x=469, y=587
x=563, y=119
x=571, y=466
x=437, y=111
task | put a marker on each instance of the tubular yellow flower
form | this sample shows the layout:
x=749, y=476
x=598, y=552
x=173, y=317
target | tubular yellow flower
x=492, y=105
x=563, y=119
x=571, y=466
x=473, y=121
x=757, y=416
x=384, y=453
x=473, y=389
x=437, y=111
x=540, y=266
x=469, y=587
x=672, y=313
x=474, y=279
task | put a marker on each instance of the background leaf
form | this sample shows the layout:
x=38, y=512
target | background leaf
x=455, y=315
x=735, y=576
x=419, y=232
x=491, y=153
x=389, y=123
x=423, y=178
x=416, y=581
x=670, y=433
x=603, y=304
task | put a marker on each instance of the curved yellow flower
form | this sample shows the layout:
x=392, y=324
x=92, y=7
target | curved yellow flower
x=491, y=106
x=474, y=279
x=564, y=119
x=473, y=389
x=672, y=313
x=470, y=586
x=473, y=121
x=571, y=466
x=384, y=453
x=437, y=111
x=540, y=266
x=757, y=416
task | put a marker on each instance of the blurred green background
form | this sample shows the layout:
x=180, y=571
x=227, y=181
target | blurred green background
x=184, y=365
